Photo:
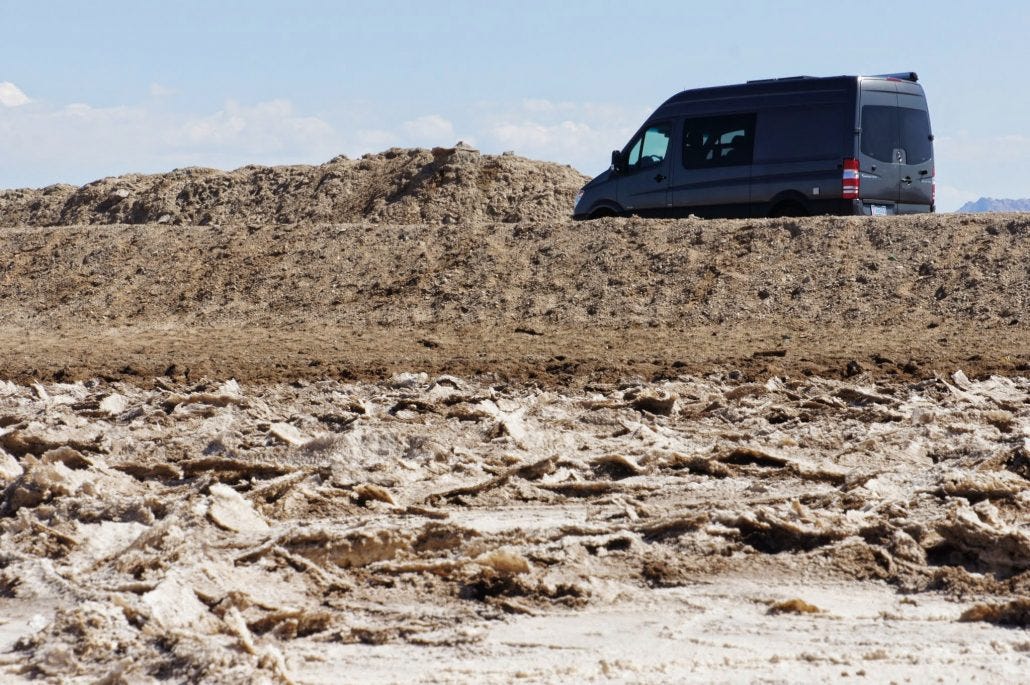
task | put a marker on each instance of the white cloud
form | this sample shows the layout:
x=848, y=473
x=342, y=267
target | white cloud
x=429, y=130
x=11, y=95
x=78, y=142
x=580, y=134
x=159, y=90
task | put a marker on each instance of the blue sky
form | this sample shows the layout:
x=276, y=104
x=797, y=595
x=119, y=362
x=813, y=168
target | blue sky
x=108, y=87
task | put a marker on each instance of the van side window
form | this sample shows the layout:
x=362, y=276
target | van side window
x=650, y=149
x=718, y=141
x=801, y=132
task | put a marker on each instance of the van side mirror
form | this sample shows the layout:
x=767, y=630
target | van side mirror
x=618, y=161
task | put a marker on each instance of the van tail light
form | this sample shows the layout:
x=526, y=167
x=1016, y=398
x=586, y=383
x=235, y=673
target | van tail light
x=933, y=186
x=849, y=181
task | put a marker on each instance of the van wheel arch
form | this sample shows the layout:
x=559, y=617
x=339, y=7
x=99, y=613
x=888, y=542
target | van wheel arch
x=792, y=204
x=602, y=211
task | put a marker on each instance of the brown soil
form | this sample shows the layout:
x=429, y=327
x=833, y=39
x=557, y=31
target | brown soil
x=559, y=301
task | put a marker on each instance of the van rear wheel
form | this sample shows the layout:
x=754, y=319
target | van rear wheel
x=789, y=208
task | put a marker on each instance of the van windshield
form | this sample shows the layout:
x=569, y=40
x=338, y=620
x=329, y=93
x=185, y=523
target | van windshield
x=650, y=149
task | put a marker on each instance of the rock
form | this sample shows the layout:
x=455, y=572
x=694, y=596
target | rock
x=408, y=380
x=231, y=511
x=10, y=469
x=173, y=604
x=114, y=404
x=659, y=402
x=504, y=562
x=287, y=433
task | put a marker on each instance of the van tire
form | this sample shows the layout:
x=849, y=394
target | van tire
x=601, y=213
x=790, y=208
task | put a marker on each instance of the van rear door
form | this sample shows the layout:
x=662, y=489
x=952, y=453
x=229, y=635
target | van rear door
x=916, y=166
x=880, y=152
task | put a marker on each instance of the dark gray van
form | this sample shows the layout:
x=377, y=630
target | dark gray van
x=777, y=147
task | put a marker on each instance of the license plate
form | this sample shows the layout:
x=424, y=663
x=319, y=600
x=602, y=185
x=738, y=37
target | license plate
x=878, y=210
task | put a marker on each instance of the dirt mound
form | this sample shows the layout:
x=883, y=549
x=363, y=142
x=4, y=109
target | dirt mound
x=398, y=186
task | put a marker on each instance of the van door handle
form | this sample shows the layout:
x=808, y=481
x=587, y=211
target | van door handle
x=659, y=178
x=907, y=179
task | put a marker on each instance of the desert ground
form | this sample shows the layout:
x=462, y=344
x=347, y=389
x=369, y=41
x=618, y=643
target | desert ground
x=399, y=419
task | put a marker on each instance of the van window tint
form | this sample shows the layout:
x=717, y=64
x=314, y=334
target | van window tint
x=718, y=141
x=880, y=132
x=649, y=149
x=915, y=135
x=788, y=134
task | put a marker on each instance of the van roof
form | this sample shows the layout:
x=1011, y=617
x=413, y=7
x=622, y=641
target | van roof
x=785, y=84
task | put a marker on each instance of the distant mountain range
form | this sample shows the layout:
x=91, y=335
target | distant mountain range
x=989, y=204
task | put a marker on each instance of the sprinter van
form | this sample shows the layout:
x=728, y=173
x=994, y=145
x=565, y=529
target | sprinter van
x=777, y=147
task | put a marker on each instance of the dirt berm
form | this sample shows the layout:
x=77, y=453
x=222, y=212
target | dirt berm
x=552, y=299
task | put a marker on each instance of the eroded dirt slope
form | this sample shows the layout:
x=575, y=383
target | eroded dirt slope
x=909, y=295
x=396, y=186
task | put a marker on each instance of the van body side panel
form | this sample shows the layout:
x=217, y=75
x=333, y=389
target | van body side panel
x=802, y=139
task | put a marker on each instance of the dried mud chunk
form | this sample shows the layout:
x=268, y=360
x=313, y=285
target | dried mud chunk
x=793, y=606
x=10, y=469
x=976, y=486
x=1015, y=613
x=42, y=482
x=531, y=471
x=367, y=492
x=1019, y=462
x=771, y=533
x=78, y=639
x=114, y=404
x=504, y=561
x=978, y=533
x=287, y=624
x=173, y=604
x=162, y=471
x=35, y=438
x=1003, y=420
x=658, y=402
x=231, y=511
x=616, y=466
x=352, y=549
x=288, y=434
x=232, y=469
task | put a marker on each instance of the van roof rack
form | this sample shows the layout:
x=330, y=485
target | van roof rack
x=784, y=78
x=901, y=76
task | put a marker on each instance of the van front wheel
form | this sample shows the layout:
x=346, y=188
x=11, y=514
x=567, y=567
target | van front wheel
x=601, y=213
x=789, y=208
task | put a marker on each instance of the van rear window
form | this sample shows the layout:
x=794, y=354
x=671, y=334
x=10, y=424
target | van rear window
x=880, y=132
x=886, y=129
x=915, y=135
